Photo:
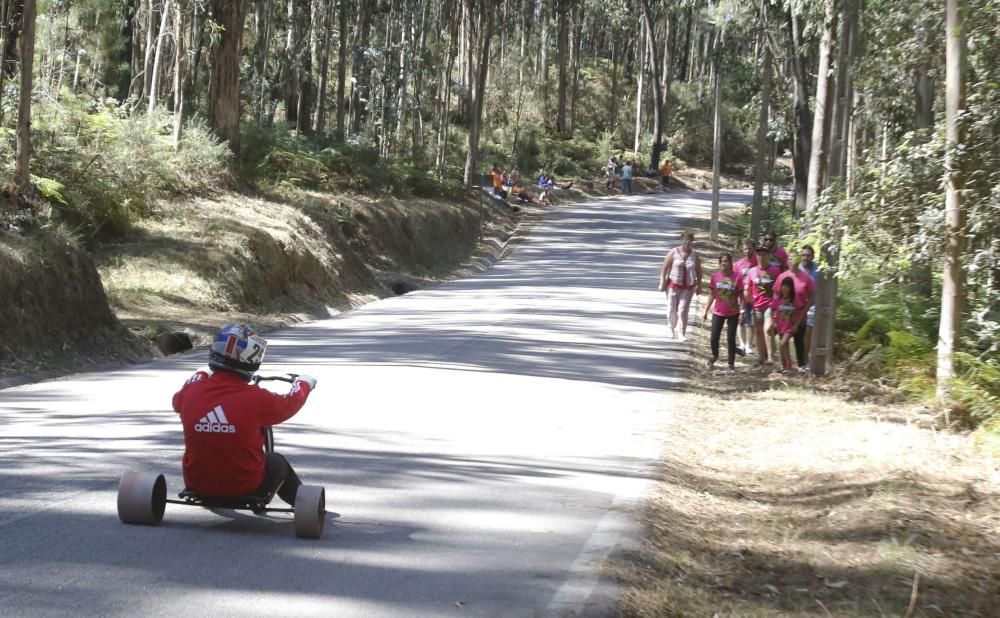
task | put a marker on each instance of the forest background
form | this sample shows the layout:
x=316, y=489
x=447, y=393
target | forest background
x=886, y=111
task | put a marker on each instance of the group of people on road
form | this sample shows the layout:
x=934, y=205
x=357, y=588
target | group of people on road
x=764, y=299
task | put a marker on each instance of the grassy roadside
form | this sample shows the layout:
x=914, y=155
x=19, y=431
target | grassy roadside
x=796, y=497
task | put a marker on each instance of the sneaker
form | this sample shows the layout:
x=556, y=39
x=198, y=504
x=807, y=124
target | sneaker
x=740, y=351
x=731, y=371
x=682, y=337
x=803, y=369
x=710, y=364
x=673, y=334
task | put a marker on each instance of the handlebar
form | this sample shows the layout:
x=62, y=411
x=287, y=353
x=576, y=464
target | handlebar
x=284, y=377
x=267, y=431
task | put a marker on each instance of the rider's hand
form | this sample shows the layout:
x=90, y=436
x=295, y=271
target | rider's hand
x=311, y=381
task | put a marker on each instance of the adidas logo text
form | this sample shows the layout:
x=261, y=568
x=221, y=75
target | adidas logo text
x=215, y=422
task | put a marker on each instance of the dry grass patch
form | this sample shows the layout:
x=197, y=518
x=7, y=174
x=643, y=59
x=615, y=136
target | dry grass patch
x=787, y=503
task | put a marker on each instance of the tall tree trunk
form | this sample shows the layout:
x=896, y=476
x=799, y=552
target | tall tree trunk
x=181, y=7
x=341, y=67
x=485, y=37
x=844, y=93
x=445, y=98
x=656, y=83
x=154, y=78
x=360, y=71
x=923, y=86
x=304, y=93
x=324, y=68
x=22, y=174
x=224, y=96
x=641, y=57
x=147, y=64
x=762, y=141
x=613, y=95
x=802, y=135
x=817, y=158
x=952, y=284
x=562, y=47
x=543, y=52
x=576, y=51
x=713, y=226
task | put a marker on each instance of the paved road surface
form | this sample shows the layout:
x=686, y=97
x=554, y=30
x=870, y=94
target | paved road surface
x=484, y=445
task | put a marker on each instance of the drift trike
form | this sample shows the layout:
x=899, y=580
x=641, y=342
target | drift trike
x=142, y=496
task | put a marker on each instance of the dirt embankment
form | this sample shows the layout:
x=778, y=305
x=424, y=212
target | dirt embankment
x=198, y=264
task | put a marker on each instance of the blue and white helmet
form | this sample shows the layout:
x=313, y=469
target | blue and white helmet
x=237, y=348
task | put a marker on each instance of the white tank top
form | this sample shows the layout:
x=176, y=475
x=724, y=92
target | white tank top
x=682, y=269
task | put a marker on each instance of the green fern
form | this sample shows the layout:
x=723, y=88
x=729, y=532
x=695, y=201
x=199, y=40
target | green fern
x=908, y=350
x=872, y=332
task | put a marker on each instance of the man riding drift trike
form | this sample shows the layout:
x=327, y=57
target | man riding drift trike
x=228, y=452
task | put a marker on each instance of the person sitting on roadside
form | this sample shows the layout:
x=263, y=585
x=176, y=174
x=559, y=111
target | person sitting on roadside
x=759, y=286
x=498, y=189
x=514, y=177
x=523, y=195
x=726, y=290
x=545, y=197
x=547, y=181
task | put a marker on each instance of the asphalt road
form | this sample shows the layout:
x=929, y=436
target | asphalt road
x=484, y=444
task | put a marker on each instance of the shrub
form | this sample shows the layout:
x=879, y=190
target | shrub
x=101, y=168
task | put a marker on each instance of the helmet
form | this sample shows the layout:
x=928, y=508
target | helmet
x=237, y=348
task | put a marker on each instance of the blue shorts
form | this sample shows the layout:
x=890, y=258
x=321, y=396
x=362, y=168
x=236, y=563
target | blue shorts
x=811, y=317
x=748, y=315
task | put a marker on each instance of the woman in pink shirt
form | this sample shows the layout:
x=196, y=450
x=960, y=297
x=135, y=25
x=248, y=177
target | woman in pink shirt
x=759, y=284
x=680, y=277
x=787, y=317
x=726, y=288
x=742, y=267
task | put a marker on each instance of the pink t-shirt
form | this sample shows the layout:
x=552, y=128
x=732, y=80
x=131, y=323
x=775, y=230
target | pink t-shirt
x=779, y=258
x=726, y=292
x=743, y=266
x=759, y=284
x=805, y=287
x=786, y=316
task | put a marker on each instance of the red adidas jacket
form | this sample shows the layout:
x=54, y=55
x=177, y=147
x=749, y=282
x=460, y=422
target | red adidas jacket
x=222, y=417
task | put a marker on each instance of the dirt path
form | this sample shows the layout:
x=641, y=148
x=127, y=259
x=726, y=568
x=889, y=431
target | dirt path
x=778, y=499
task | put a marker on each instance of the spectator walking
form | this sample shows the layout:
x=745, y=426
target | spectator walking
x=778, y=257
x=726, y=289
x=742, y=267
x=808, y=265
x=787, y=316
x=805, y=290
x=759, y=285
x=627, y=172
x=680, y=277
